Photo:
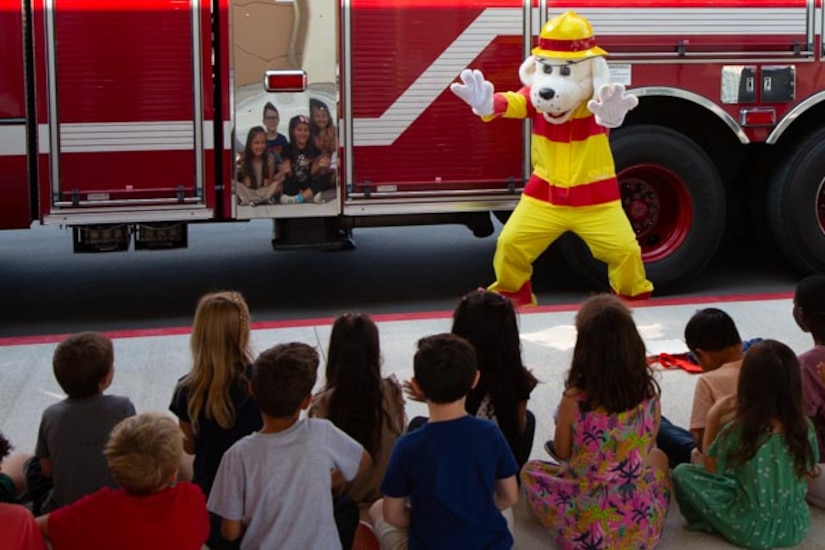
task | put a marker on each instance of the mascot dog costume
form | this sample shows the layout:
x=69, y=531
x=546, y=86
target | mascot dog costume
x=573, y=186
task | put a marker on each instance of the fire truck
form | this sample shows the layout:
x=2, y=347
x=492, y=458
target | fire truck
x=124, y=120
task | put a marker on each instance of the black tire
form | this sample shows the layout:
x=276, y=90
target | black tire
x=796, y=205
x=675, y=200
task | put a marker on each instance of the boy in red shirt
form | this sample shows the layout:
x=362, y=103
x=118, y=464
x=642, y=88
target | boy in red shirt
x=150, y=510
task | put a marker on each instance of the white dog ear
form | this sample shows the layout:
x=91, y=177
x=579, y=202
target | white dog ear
x=601, y=73
x=527, y=70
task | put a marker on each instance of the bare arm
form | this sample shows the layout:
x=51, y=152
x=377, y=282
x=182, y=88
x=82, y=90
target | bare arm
x=563, y=440
x=506, y=494
x=43, y=525
x=231, y=529
x=720, y=413
x=522, y=416
x=188, y=437
x=46, y=466
x=396, y=512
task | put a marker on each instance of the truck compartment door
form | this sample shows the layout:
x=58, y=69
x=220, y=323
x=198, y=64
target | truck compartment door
x=124, y=123
x=284, y=59
x=15, y=209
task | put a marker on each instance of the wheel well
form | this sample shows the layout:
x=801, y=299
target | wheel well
x=811, y=120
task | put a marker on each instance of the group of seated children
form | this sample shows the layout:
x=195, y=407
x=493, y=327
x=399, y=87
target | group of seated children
x=272, y=170
x=266, y=475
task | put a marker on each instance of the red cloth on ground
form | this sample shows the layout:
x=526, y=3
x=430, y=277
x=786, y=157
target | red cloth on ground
x=670, y=361
x=175, y=519
x=19, y=531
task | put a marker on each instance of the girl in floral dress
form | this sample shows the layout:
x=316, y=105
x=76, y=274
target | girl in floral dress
x=612, y=489
x=760, y=447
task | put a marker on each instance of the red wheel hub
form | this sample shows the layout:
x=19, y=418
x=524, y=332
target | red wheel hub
x=659, y=207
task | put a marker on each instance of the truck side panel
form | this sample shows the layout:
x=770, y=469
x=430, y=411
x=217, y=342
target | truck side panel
x=14, y=208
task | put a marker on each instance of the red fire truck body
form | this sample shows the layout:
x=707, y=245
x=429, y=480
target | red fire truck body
x=128, y=120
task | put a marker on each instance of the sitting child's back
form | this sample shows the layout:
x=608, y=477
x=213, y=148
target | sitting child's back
x=74, y=431
x=274, y=487
x=449, y=470
x=447, y=482
x=150, y=510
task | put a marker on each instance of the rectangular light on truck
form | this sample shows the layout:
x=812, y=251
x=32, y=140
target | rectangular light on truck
x=285, y=81
x=757, y=116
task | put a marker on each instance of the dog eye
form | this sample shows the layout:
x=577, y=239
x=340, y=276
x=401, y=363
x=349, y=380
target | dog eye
x=565, y=71
x=548, y=69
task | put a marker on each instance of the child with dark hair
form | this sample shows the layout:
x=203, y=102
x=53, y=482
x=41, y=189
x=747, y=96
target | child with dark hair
x=713, y=339
x=488, y=321
x=448, y=481
x=759, y=448
x=273, y=487
x=150, y=509
x=809, y=314
x=612, y=488
x=275, y=141
x=258, y=181
x=357, y=400
x=307, y=165
x=73, y=432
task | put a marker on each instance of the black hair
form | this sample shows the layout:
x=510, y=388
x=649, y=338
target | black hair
x=444, y=367
x=711, y=329
x=354, y=373
x=488, y=321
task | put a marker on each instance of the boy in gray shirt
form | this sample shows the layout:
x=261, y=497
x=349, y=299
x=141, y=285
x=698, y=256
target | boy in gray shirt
x=274, y=487
x=68, y=461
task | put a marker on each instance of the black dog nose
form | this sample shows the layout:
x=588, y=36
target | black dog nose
x=547, y=93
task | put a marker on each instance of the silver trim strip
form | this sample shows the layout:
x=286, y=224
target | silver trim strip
x=346, y=39
x=527, y=41
x=793, y=114
x=811, y=25
x=377, y=207
x=197, y=77
x=132, y=215
x=730, y=122
x=51, y=84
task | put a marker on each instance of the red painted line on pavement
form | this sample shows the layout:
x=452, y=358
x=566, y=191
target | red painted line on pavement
x=390, y=317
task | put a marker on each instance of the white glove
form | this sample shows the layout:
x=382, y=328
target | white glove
x=610, y=105
x=475, y=91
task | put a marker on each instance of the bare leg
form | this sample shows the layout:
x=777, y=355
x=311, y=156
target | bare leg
x=13, y=467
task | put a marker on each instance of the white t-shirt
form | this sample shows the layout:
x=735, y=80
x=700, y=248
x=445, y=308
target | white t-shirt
x=279, y=485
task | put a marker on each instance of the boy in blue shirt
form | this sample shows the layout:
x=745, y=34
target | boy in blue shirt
x=447, y=482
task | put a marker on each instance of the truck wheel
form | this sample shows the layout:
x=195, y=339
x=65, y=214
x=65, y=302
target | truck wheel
x=796, y=205
x=675, y=201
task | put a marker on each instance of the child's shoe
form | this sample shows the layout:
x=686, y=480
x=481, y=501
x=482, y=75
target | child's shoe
x=318, y=198
x=290, y=199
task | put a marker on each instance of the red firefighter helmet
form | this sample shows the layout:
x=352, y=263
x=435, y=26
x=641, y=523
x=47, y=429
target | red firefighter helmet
x=567, y=36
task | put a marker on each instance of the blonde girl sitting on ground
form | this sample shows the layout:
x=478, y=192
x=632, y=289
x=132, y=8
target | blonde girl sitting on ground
x=212, y=401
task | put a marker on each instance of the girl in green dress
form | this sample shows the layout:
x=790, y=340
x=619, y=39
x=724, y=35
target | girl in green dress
x=751, y=487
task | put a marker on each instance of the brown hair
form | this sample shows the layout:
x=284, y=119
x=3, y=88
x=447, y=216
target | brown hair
x=144, y=452
x=283, y=376
x=220, y=354
x=445, y=367
x=81, y=362
x=770, y=389
x=609, y=360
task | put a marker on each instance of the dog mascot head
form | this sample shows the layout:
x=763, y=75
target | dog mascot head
x=566, y=68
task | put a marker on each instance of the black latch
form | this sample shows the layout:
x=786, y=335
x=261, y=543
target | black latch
x=75, y=197
x=367, y=188
x=181, y=193
x=511, y=185
x=681, y=48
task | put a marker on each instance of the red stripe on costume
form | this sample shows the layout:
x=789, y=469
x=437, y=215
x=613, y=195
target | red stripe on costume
x=575, y=129
x=579, y=45
x=598, y=192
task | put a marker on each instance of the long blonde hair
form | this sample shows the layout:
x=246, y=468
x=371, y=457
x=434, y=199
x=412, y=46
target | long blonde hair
x=220, y=353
